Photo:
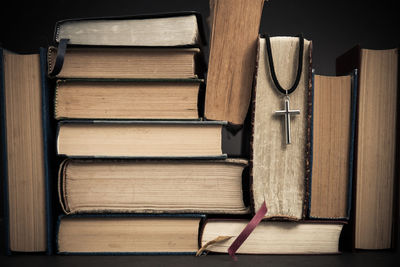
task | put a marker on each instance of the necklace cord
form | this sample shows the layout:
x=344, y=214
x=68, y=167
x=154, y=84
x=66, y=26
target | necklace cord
x=272, y=68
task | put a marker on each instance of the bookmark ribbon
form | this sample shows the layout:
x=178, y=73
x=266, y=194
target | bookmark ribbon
x=247, y=230
x=62, y=47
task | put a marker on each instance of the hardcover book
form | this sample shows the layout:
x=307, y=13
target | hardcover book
x=125, y=62
x=272, y=237
x=26, y=152
x=128, y=234
x=333, y=128
x=129, y=99
x=234, y=31
x=375, y=175
x=160, y=139
x=163, y=29
x=152, y=186
x=279, y=170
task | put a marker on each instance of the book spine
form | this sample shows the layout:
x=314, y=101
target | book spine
x=4, y=155
x=345, y=64
x=308, y=149
x=354, y=90
x=252, y=119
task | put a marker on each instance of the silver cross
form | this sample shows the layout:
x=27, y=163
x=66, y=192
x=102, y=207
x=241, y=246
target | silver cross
x=287, y=112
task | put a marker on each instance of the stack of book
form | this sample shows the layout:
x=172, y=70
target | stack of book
x=139, y=140
x=129, y=103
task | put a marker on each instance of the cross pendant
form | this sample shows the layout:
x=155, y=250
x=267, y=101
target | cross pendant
x=287, y=112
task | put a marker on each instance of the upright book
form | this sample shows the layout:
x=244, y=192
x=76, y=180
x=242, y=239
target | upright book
x=26, y=136
x=375, y=178
x=280, y=170
x=333, y=127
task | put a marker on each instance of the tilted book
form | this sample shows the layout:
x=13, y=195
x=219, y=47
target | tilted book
x=125, y=62
x=26, y=152
x=375, y=175
x=234, y=31
x=279, y=170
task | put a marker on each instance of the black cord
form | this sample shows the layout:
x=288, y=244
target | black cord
x=272, y=68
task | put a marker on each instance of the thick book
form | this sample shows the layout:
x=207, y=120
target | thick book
x=375, y=175
x=129, y=99
x=152, y=186
x=125, y=62
x=274, y=237
x=128, y=234
x=161, y=29
x=333, y=127
x=125, y=138
x=26, y=151
x=279, y=171
x=234, y=31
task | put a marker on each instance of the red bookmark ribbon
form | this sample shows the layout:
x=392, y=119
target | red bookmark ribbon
x=247, y=230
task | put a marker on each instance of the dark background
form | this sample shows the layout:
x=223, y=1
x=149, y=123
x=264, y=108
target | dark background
x=333, y=26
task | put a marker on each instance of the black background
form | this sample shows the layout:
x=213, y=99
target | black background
x=333, y=26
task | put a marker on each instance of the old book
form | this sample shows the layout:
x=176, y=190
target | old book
x=152, y=186
x=112, y=138
x=234, y=32
x=126, y=62
x=164, y=29
x=128, y=99
x=375, y=151
x=128, y=234
x=279, y=169
x=269, y=237
x=333, y=126
x=25, y=132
